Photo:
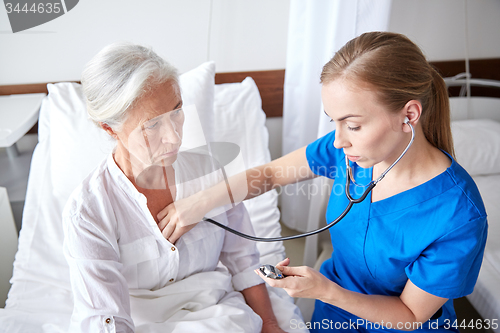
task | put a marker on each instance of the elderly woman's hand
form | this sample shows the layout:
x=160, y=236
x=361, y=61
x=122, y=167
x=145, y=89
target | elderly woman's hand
x=271, y=327
x=179, y=217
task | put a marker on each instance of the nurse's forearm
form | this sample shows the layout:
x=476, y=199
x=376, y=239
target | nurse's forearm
x=389, y=311
x=232, y=190
x=289, y=169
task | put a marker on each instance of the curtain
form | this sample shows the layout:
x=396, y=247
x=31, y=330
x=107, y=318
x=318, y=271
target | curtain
x=317, y=29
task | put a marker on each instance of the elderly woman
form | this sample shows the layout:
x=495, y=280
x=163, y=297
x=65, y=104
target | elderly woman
x=124, y=272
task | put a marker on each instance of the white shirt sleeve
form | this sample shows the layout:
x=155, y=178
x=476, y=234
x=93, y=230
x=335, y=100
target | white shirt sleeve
x=100, y=291
x=240, y=255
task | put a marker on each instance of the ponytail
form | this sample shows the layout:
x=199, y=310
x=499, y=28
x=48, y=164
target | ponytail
x=436, y=119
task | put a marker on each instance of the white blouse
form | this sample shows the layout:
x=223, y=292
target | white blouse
x=113, y=245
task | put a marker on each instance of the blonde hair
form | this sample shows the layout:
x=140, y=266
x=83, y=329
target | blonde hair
x=398, y=71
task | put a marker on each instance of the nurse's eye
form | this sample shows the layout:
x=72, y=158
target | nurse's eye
x=353, y=128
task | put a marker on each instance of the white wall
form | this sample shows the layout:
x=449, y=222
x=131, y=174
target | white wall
x=238, y=35
x=438, y=27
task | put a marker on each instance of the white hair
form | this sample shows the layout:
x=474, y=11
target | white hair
x=118, y=76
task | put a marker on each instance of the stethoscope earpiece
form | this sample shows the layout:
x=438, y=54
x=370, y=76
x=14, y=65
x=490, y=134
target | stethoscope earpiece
x=407, y=120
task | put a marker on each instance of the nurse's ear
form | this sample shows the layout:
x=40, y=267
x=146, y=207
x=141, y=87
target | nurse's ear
x=411, y=111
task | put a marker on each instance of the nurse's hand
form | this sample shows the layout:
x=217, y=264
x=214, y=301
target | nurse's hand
x=179, y=217
x=303, y=281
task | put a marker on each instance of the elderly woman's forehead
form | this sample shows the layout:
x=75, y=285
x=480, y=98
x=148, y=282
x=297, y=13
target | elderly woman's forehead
x=161, y=94
x=157, y=102
x=169, y=86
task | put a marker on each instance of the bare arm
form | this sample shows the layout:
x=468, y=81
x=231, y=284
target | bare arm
x=412, y=308
x=258, y=299
x=179, y=217
x=289, y=169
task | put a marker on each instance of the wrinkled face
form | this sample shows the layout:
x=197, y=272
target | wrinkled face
x=366, y=131
x=152, y=133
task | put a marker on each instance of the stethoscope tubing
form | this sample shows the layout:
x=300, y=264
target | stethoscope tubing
x=310, y=233
x=352, y=201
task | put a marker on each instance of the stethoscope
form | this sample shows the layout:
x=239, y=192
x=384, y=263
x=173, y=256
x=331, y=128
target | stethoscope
x=352, y=201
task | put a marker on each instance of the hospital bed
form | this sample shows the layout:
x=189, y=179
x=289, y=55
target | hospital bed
x=70, y=147
x=476, y=134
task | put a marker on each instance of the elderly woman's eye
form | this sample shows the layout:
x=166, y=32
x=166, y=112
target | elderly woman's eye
x=152, y=126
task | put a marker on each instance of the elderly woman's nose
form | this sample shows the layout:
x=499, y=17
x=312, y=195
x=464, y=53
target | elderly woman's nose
x=170, y=132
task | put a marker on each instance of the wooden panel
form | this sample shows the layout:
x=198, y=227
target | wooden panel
x=479, y=69
x=270, y=84
x=32, y=88
x=23, y=89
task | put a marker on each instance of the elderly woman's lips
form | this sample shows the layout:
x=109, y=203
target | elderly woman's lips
x=173, y=152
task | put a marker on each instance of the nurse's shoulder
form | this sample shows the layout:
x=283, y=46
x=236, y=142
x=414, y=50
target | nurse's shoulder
x=468, y=190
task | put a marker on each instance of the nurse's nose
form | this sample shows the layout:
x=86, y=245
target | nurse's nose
x=340, y=140
x=170, y=132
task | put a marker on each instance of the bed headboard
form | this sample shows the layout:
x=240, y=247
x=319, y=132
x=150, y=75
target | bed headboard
x=478, y=68
x=270, y=83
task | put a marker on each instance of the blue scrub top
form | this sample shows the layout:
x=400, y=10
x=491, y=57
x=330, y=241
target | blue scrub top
x=433, y=234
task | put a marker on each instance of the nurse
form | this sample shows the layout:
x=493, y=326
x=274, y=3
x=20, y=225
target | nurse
x=417, y=242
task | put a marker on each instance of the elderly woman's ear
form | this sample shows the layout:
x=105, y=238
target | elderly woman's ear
x=108, y=130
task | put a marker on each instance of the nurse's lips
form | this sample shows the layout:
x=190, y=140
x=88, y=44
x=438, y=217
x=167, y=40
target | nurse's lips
x=353, y=158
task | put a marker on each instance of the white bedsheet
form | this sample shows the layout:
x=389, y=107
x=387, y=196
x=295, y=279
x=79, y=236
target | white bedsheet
x=489, y=186
x=191, y=300
x=477, y=146
x=486, y=295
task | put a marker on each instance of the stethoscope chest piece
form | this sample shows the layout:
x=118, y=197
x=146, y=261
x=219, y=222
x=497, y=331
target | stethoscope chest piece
x=271, y=272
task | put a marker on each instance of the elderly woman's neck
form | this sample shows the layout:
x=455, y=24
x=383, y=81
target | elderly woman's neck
x=155, y=182
x=143, y=176
x=122, y=160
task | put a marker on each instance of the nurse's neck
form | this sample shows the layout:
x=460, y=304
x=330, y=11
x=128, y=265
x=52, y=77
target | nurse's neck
x=421, y=163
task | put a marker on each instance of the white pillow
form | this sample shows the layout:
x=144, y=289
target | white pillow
x=239, y=118
x=477, y=145
x=78, y=145
x=197, y=88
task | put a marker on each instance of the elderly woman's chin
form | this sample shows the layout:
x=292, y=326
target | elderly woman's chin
x=153, y=176
x=168, y=159
x=160, y=161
